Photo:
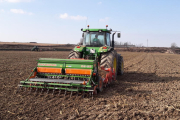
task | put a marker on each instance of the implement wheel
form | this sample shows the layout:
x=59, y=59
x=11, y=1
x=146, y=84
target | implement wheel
x=74, y=54
x=120, y=70
x=100, y=84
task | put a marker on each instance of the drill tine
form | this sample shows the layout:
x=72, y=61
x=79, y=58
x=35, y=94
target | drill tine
x=47, y=91
x=77, y=92
x=65, y=92
x=59, y=91
x=18, y=89
x=83, y=94
x=25, y=89
x=36, y=89
x=71, y=94
x=30, y=90
x=89, y=94
x=92, y=95
x=42, y=90
x=53, y=90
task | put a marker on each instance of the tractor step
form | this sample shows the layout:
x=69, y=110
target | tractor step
x=56, y=80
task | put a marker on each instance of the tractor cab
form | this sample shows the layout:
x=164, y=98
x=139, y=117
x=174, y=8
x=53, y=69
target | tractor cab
x=96, y=38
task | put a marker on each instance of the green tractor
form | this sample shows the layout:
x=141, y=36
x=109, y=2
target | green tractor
x=35, y=48
x=81, y=71
x=96, y=44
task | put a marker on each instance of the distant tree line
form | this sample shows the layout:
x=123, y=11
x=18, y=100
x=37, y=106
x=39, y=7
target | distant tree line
x=126, y=44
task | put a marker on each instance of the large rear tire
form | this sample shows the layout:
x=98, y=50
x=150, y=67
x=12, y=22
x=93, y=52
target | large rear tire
x=120, y=70
x=74, y=54
x=109, y=60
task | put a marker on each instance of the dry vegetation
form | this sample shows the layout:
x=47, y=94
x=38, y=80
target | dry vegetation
x=149, y=89
x=10, y=46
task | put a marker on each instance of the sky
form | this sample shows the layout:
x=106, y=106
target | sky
x=152, y=23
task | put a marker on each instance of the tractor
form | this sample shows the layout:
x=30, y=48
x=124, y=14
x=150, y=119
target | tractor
x=96, y=44
x=81, y=71
x=35, y=48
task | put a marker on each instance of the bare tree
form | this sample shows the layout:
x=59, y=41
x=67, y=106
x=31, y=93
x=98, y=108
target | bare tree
x=81, y=41
x=173, y=45
x=116, y=43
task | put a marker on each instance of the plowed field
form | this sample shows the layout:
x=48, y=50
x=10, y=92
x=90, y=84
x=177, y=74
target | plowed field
x=149, y=89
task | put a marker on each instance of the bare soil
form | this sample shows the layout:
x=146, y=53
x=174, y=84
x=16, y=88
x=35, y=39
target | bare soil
x=149, y=89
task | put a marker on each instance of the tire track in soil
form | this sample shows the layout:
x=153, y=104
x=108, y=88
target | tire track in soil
x=128, y=57
x=165, y=66
x=165, y=85
x=130, y=63
x=174, y=58
x=148, y=62
x=148, y=65
x=143, y=63
x=155, y=63
x=135, y=64
x=176, y=64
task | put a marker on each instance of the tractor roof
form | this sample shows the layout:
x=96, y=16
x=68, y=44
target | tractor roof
x=96, y=30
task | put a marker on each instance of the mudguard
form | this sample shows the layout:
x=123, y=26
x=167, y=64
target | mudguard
x=79, y=48
x=104, y=49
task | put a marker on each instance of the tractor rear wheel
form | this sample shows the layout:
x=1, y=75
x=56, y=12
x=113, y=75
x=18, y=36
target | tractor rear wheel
x=74, y=54
x=120, y=69
x=109, y=60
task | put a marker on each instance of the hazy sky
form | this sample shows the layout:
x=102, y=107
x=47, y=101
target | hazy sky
x=60, y=21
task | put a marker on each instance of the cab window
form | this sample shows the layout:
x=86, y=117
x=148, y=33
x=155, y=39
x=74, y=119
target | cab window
x=108, y=39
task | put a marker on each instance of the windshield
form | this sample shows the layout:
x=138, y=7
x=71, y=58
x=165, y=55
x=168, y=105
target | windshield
x=94, y=39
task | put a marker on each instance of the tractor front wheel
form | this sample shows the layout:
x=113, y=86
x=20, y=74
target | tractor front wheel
x=74, y=54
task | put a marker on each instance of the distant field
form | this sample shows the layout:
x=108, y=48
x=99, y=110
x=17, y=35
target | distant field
x=14, y=46
x=20, y=43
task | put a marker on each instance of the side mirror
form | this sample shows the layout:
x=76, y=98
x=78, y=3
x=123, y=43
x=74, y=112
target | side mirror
x=119, y=35
x=82, y=34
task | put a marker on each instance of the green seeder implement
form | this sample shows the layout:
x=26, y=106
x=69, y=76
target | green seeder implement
x=73, y=75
